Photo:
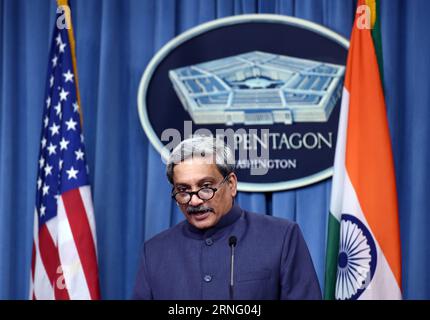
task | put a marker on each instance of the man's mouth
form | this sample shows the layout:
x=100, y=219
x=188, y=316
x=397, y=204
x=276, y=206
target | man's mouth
x=201, y=215
x=198, y=211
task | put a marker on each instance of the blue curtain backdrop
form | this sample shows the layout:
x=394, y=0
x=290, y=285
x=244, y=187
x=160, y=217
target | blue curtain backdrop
x=115, y=41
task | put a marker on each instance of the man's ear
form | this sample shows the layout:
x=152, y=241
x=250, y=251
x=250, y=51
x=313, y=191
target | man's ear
x=232, y=182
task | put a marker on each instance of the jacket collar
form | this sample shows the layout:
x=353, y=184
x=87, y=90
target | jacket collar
x=216, y=231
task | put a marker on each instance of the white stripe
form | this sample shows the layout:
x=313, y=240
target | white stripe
x=52, y=226
x=339, y=161
x=383, y=281
x=383, y=284
x=85, y=192
x=71, y=264
x=43, y=289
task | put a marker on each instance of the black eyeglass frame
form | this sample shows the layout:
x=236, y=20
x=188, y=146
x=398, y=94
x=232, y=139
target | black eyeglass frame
x=191, y=193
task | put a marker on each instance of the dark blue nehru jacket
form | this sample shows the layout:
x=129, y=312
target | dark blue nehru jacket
x=271, y=261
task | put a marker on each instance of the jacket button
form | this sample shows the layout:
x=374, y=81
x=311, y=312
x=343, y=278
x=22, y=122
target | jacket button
x=209, y=241
x=207, y=278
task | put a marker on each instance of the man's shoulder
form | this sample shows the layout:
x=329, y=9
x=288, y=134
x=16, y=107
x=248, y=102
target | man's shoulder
x=268, y=219
x=166, y=236
x=269, y=231
x=269, y=223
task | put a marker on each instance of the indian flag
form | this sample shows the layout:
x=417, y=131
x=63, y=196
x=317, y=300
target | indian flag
x=363, y=247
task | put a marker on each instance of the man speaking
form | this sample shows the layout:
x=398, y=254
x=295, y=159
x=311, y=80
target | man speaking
x=221, y=251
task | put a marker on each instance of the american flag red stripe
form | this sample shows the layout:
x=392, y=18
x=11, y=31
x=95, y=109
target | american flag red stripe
x=33, y=260
x=33, y=264
x=80, y=226
x=51, y=261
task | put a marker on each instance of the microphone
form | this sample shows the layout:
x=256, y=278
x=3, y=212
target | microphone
x=232, y=241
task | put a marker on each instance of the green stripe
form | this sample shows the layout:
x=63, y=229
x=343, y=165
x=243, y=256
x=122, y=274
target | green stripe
x=377, y=42
x=331, y=257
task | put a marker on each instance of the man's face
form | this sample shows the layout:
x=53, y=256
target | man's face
x=195, y=173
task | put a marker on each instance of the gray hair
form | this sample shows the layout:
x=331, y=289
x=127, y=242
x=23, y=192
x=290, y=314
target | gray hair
x=202, y=146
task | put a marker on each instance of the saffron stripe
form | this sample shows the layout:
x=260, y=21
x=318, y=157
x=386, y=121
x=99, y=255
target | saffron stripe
x=369, y=161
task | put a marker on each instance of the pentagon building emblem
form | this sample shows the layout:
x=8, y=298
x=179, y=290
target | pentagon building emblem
x=269, y=85
x=258, y=88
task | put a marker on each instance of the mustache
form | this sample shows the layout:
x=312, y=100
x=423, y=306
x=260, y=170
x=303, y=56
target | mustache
x=199, y=209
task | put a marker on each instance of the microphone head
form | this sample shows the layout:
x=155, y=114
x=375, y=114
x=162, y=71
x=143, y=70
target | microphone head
x=232, y=241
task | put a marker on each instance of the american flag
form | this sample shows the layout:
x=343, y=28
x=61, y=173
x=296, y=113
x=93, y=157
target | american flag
x=64, y=259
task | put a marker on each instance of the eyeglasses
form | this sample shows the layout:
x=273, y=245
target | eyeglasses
x=205, y=193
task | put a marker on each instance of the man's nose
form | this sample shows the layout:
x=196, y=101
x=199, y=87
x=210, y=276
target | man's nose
x=195, y=200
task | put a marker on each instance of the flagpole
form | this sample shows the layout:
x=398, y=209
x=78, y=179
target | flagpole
x=73, y=54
